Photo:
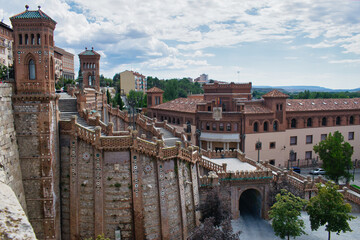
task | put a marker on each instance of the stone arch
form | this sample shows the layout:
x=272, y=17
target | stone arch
x=251, y=202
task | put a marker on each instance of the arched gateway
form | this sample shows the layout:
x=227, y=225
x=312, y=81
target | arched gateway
x=250, y=203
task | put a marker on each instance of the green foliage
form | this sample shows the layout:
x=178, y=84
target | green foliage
x=62, y=82
x=3, y=72
x=99, y=237
x=313, y=95
x=139, y=97
x=174, y=88
x=328, y=208
x=336, y=156
x=105, y=82
x=285, y=215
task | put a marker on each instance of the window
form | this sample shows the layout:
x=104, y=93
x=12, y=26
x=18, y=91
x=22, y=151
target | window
x=338, y=120
x=38, y=39
x=272, y=145
x=351, y=120
x=351, y=135
x=207, y=126
x=309, y=139
x=214, y=126
x=32, y=73
x=293, y=123
x=309, y=122
x=26, y=39
x=202, y=126
x=266, y=126
x=20, y=39
x=52, y=69
x=275, y=126
x=293, y=140
x=280, y=107
x=323, y=121
x=323, y=137
x=272, y=162
x=45, y=39
x=32, y=39
x=209, y=108
x=228, y=127
x=235, y=127
x=89, y=78
x=277, y=107
x=256, y=127
x=308, y=155
x=221, y=127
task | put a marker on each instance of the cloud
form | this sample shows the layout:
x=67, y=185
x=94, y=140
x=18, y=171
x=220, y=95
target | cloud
x=345, y=61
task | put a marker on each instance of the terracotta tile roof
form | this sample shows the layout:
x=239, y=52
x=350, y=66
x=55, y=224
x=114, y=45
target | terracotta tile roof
x=293, y=105
x=256, y=108
x=154, y=90
x=275, y=94
x=180, y=105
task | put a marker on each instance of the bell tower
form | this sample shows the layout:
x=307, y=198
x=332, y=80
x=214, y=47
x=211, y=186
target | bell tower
x=35, y=110
x=90, y=69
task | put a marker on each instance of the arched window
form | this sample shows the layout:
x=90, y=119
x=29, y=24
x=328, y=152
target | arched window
x=94, y=65
x=323, y=121
x=52, y=75
x=221, y=127
x=338, y=120
x=309, y=122
x=228, y=127
x=293, y=123
x=235, y=127
x=266, y=127
x=38, y=39
x=20, y=39
x=32, y=39
x=32, y=72
x=83, y=65
x=351, y=120
x=275, y=126
x=26, y=39
x=207, y=126
x=45, y=39
x=178, y=121
x=90, y=80
x=256, y=127
x=87, y=66
x=214, y=126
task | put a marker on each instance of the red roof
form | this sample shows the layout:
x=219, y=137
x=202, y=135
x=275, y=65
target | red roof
x=154, y=90
x=187, y=105
x=293, y=105
x=275, y=94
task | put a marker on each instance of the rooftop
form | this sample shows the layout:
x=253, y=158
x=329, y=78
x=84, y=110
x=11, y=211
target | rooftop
x=154, y=90
x=180, y=105
x=293, y=105
x=34, y=14
x=275, y=94
x=89, y=52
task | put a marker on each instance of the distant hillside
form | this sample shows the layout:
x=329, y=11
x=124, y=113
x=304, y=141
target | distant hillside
x=294, y=89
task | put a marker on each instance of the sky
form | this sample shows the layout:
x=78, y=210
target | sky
x=268, y=43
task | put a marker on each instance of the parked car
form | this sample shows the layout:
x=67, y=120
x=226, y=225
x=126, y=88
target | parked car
x=296, y=169
x=317, y=171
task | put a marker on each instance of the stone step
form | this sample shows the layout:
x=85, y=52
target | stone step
x=67, y=105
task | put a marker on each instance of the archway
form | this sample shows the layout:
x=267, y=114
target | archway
x=250, y=203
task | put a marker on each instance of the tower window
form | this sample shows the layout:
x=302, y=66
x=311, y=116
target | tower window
x=26, y=39
x=38, y=41
x=20, y=39
x=32, y=74
x=256, y=128
x=275, y=126
x=90, y=82
x=32, y=39
x=265, y=126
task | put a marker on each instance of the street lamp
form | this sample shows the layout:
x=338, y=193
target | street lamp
x=133, y=102
x=258, y=147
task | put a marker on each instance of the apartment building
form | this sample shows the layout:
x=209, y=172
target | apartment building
x=130, y=80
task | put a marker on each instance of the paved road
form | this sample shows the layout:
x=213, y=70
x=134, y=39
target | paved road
x=305, y=172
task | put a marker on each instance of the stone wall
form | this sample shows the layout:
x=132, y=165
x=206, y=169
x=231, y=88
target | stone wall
x=10, y=172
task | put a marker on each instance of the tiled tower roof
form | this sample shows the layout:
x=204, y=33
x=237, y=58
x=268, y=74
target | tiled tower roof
x=275, y=94
x=36, y=14
x=89, y=52
x=154, y=90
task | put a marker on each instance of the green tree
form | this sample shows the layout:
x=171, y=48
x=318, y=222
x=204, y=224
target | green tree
x=336, y=156
x=285, y=215
x=138, y=97
x=328, y=208
x=3, y=71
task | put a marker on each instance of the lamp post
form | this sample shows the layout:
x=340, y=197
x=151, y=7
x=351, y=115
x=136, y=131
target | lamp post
x=291, y=157
x=133, y=102
x=258, y=147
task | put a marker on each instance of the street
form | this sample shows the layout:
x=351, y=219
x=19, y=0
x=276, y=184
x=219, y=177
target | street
x=306, y=172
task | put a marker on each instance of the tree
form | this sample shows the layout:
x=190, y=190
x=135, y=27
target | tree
x=208, y=230
x=285, y=215
x=328, y=207
x=336, y=156
x=3, y=71
x=213, y=207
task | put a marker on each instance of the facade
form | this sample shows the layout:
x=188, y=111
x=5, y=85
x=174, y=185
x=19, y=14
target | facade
x=90, y=69
x=227, y=118
x=35, y=117
x=130, y=80
x=6, y=45
x=65, y=63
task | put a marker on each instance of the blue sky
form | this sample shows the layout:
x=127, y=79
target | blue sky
x=274, y=42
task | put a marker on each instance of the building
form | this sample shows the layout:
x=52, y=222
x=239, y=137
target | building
x=89, y=69
x=130, y=80
x=6, y=45
x=203, y=79
x=65, y=61
x=228, y=118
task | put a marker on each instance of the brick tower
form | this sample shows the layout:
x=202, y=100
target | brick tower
x=35, y=110
x=90, y=69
